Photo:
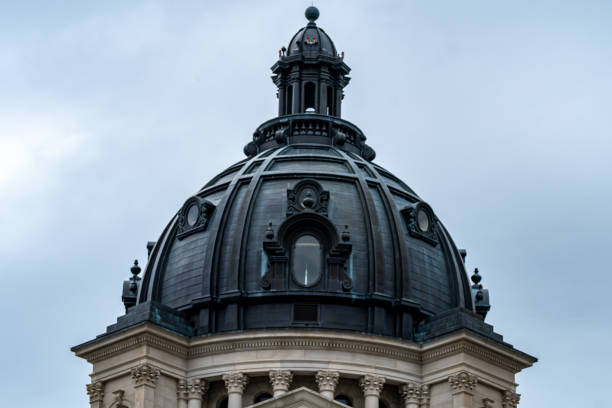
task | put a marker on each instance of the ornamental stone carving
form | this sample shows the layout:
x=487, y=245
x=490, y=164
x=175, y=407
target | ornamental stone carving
x=196, y=389
x=235, y=382
x=182, y=390
x=95, y=392
x=415, y=395
x=425, y=397
x=119, y=399
x=511, y=399
x=327, y=380
x=463, y=382
x=372, y=385
x=145, y=374
x=280, y=380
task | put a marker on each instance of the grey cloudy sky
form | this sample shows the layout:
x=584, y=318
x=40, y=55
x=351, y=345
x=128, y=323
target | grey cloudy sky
x=498, y=113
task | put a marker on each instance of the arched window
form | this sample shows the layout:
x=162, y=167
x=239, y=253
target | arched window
x=343, y=399
x=262, y=397
x=309, y=96
x=330, y=101
x=307, y=260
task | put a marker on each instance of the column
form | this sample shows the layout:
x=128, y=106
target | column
x=280, y=381
x=235, y=384
x=462, y=385
x=411, y=394
x=327, y=382
x=196, y=389
x=182, y=394
x=372, y=386
x=511, y=399
x=96, y=394
x=145, y=379
x=424, y=400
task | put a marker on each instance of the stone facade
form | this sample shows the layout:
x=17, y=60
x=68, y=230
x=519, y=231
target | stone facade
x=148, y=367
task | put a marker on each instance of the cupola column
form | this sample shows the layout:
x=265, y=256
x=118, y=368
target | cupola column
x=280, y=380
x=372, y=386
x=236, y=384
x=327, y=382
x=145, y=378
x=462, y=385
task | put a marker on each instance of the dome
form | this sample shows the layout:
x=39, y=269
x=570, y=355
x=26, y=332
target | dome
x=311, y=41
x=306, y=232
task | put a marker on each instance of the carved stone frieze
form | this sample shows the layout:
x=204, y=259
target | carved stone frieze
x=235, y=382
x=463, y=382
x=511, y=399
x=145, y=374
x=280, y=380
x=327, y=380
x=372, y=384
x=95, y=392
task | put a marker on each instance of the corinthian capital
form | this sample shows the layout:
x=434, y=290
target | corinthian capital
x=145, y=374
x=95, y=392
x=410, y=392
x=196, y=389
x=463, y=382
x=424, y=400
x=182, y=390
x=235, y=382
x=511, y=399
x=372, y=384
x=327, y=380
x=280, y=380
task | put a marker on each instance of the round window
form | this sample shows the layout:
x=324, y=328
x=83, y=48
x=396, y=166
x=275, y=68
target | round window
x=307, y=262
x=192, y=215
x=422, y=219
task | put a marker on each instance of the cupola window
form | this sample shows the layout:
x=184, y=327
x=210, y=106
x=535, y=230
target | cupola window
x=307, y=260
x=309, y=97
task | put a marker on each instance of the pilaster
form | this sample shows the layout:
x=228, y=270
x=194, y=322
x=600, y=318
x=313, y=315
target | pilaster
x=462, y=385
x=511, y=399
x=96, y=394
x=145, y=378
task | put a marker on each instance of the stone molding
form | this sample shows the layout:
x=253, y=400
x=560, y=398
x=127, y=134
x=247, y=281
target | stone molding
x=462, y=382
x=511, y=399
x=149, y=335
x=235, y=382
x=95, y=392
x=145, y=374
x=372, y=385
x=280, y=380
x=327, y=380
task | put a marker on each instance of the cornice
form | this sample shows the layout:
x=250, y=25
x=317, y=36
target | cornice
x=457, y=343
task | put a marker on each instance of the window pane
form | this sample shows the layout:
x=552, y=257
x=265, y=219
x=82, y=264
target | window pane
x=306, y=260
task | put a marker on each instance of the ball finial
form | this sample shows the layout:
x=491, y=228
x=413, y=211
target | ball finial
x=312, y=13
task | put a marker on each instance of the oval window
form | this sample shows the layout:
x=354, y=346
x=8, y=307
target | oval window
x=423, y=220
x=192, y=215
x=306, y=261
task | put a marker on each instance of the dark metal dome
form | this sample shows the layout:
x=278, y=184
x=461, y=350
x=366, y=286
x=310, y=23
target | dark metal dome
x=311, y=40
x=225, y=259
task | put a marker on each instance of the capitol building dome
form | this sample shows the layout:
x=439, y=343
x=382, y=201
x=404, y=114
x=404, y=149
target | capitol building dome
x=304, y=274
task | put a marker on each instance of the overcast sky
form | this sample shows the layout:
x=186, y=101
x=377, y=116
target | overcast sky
x=498, y=113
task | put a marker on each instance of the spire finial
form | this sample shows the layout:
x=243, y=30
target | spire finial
x=312, y=13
